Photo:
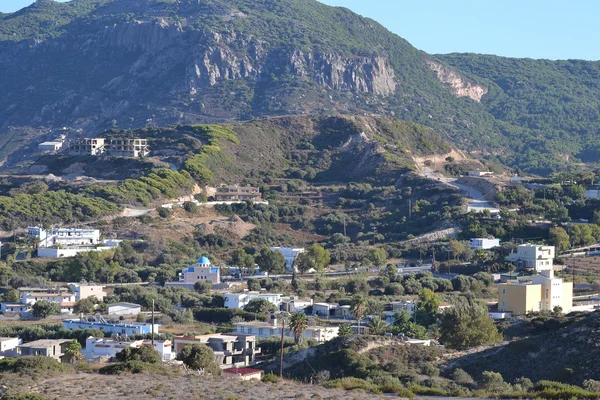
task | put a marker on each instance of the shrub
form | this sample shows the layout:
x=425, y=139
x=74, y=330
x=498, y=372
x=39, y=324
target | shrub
x=141, y=317
x=430, y=370
x=492, y=381
x=144, y=354
x=461, y=377
x=270, y=378
x=351, y=383
x=134, y=367
x=190, y=207
x=199, y=356
x=164, y=212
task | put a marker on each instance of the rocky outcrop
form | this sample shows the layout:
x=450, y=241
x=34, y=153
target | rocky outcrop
x=358, y=74
x=461, y=86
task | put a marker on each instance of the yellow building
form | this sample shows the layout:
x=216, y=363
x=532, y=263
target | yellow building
x=544, y=292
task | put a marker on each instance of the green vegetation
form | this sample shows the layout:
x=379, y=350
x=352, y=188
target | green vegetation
x=199, y=357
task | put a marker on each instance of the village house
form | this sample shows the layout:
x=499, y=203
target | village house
x=85, y=290
x=293, y=304
x=63, y=236
x=237, y=193
x=484, y=243
x=273, y=328
x=103, y=347
x=543, y=293
x=231, y=350
x=120, y=328
x=240, y=300
x=7, y=306
x=8, y=346
x=532, y=256
x=50, y=146
x=290, y=254
x=54, y=348
x=117, y=147
x=202, y=271
x=244, y=374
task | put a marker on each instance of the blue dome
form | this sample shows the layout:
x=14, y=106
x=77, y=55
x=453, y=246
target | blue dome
x=203, y=260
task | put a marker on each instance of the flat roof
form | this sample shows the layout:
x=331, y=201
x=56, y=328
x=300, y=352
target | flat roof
x=242, y=371
x=123, y=304
x=6, y=339
x=45, y=342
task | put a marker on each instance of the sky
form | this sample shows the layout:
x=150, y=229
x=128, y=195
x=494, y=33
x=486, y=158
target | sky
x=552, y=29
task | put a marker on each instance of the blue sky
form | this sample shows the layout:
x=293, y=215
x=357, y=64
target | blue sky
x=554, y=29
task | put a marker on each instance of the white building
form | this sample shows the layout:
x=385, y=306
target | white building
x=163, y=347
x=50, y=146
x=123, y=308
x=289, y=254
x=202, y=271
x=64, y=236
x=532, y=256
x=478, y=172
x=484, y=244
x=102, y=347
x=230, y=349
x=121, y=328
x=66, y=301
x=85, y=290
x=273, y=328
x=292, y=304
x=8, y=346
x=240, y=300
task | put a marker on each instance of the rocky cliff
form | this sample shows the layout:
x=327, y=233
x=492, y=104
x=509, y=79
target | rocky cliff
x=461, y=86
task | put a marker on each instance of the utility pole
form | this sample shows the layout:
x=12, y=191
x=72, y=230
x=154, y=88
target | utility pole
x=345, y=226
x=409, y=208
x=449, y=263
x=281, y=354
x=152, y=323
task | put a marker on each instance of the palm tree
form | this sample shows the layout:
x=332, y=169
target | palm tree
x=298, y=323
x=345, y=330
x=358, y=308
x=73, y=351
x=378, y=326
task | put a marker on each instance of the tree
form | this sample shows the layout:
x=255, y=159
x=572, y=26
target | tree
x=389, y=272
x=190, y=207
x=358, y=307
x=144, y=354
x=271, y=261
x=559, y=238
x=315, y=257
x=73, y=351
x=345, y=330
x=199, y=356
x=11, y=295
x=203, y=287
x=377, y=256
x=467, y=325
x=378, y=326
x=461, y=283
x=253, y=285
x=298, y=323
x=242, y=260
x=259, y=306
x=457, y=248
x=427, y=309
x=85, y=306
x=43, y=309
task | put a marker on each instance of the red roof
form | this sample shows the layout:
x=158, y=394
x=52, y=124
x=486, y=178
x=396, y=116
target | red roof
x=242, y=371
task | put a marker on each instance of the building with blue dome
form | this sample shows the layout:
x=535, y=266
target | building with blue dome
x=202, y=271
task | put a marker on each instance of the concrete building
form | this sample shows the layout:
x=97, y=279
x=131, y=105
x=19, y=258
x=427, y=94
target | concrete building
x=85, y=290
x=480, y=173
x=237, y=193
x=484, y=244
x=273, y=328
x=163, y=347
x=58, y=298
x=202, y=271
x=544, y=292
x=532, y=256
x=63, y=236
x=102, y=347
x=8, y=346
x=87, y=146
x=244, y=374
x=231, y=350
x=7, y=306
x=290, y=255
x=121, y=328
x=331, y=310
x=50, y=146
x=128, y=147
x=240, y=300
x=54, y=348
x=123, y=308
x=292, y=304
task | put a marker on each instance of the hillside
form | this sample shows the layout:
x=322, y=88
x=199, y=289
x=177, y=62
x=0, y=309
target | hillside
x=567, y=353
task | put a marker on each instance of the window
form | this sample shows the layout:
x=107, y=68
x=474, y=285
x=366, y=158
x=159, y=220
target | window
x=546, y=293
x=503, y=290
x=503, y=305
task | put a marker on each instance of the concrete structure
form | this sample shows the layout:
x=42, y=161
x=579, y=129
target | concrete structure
x=102, y=347
x=484, y=244
x=592, y=192
x=532, y=256
x=54, y=348
x=202, y=271
x=244, y=374
x=58, y=298
x=51, y=252
x=63, y=236
x=14, y=307
x=331, y=310
x=123, y=308
x=293, y=305
x=273, y=328
x=121, y=328
x=402, y=305
x=87, y=146
x=240, y=300
x=231, y=350
x=237, y=193
x=50, y=146
x=544, y=292
x=478, y=172
x=85, y=290
x=128, y=147
x=8, y=346
x=290, y=254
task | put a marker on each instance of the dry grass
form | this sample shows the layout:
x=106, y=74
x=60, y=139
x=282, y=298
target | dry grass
x=148, y=386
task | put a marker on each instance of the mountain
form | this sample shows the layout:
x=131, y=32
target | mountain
x=98, y=64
